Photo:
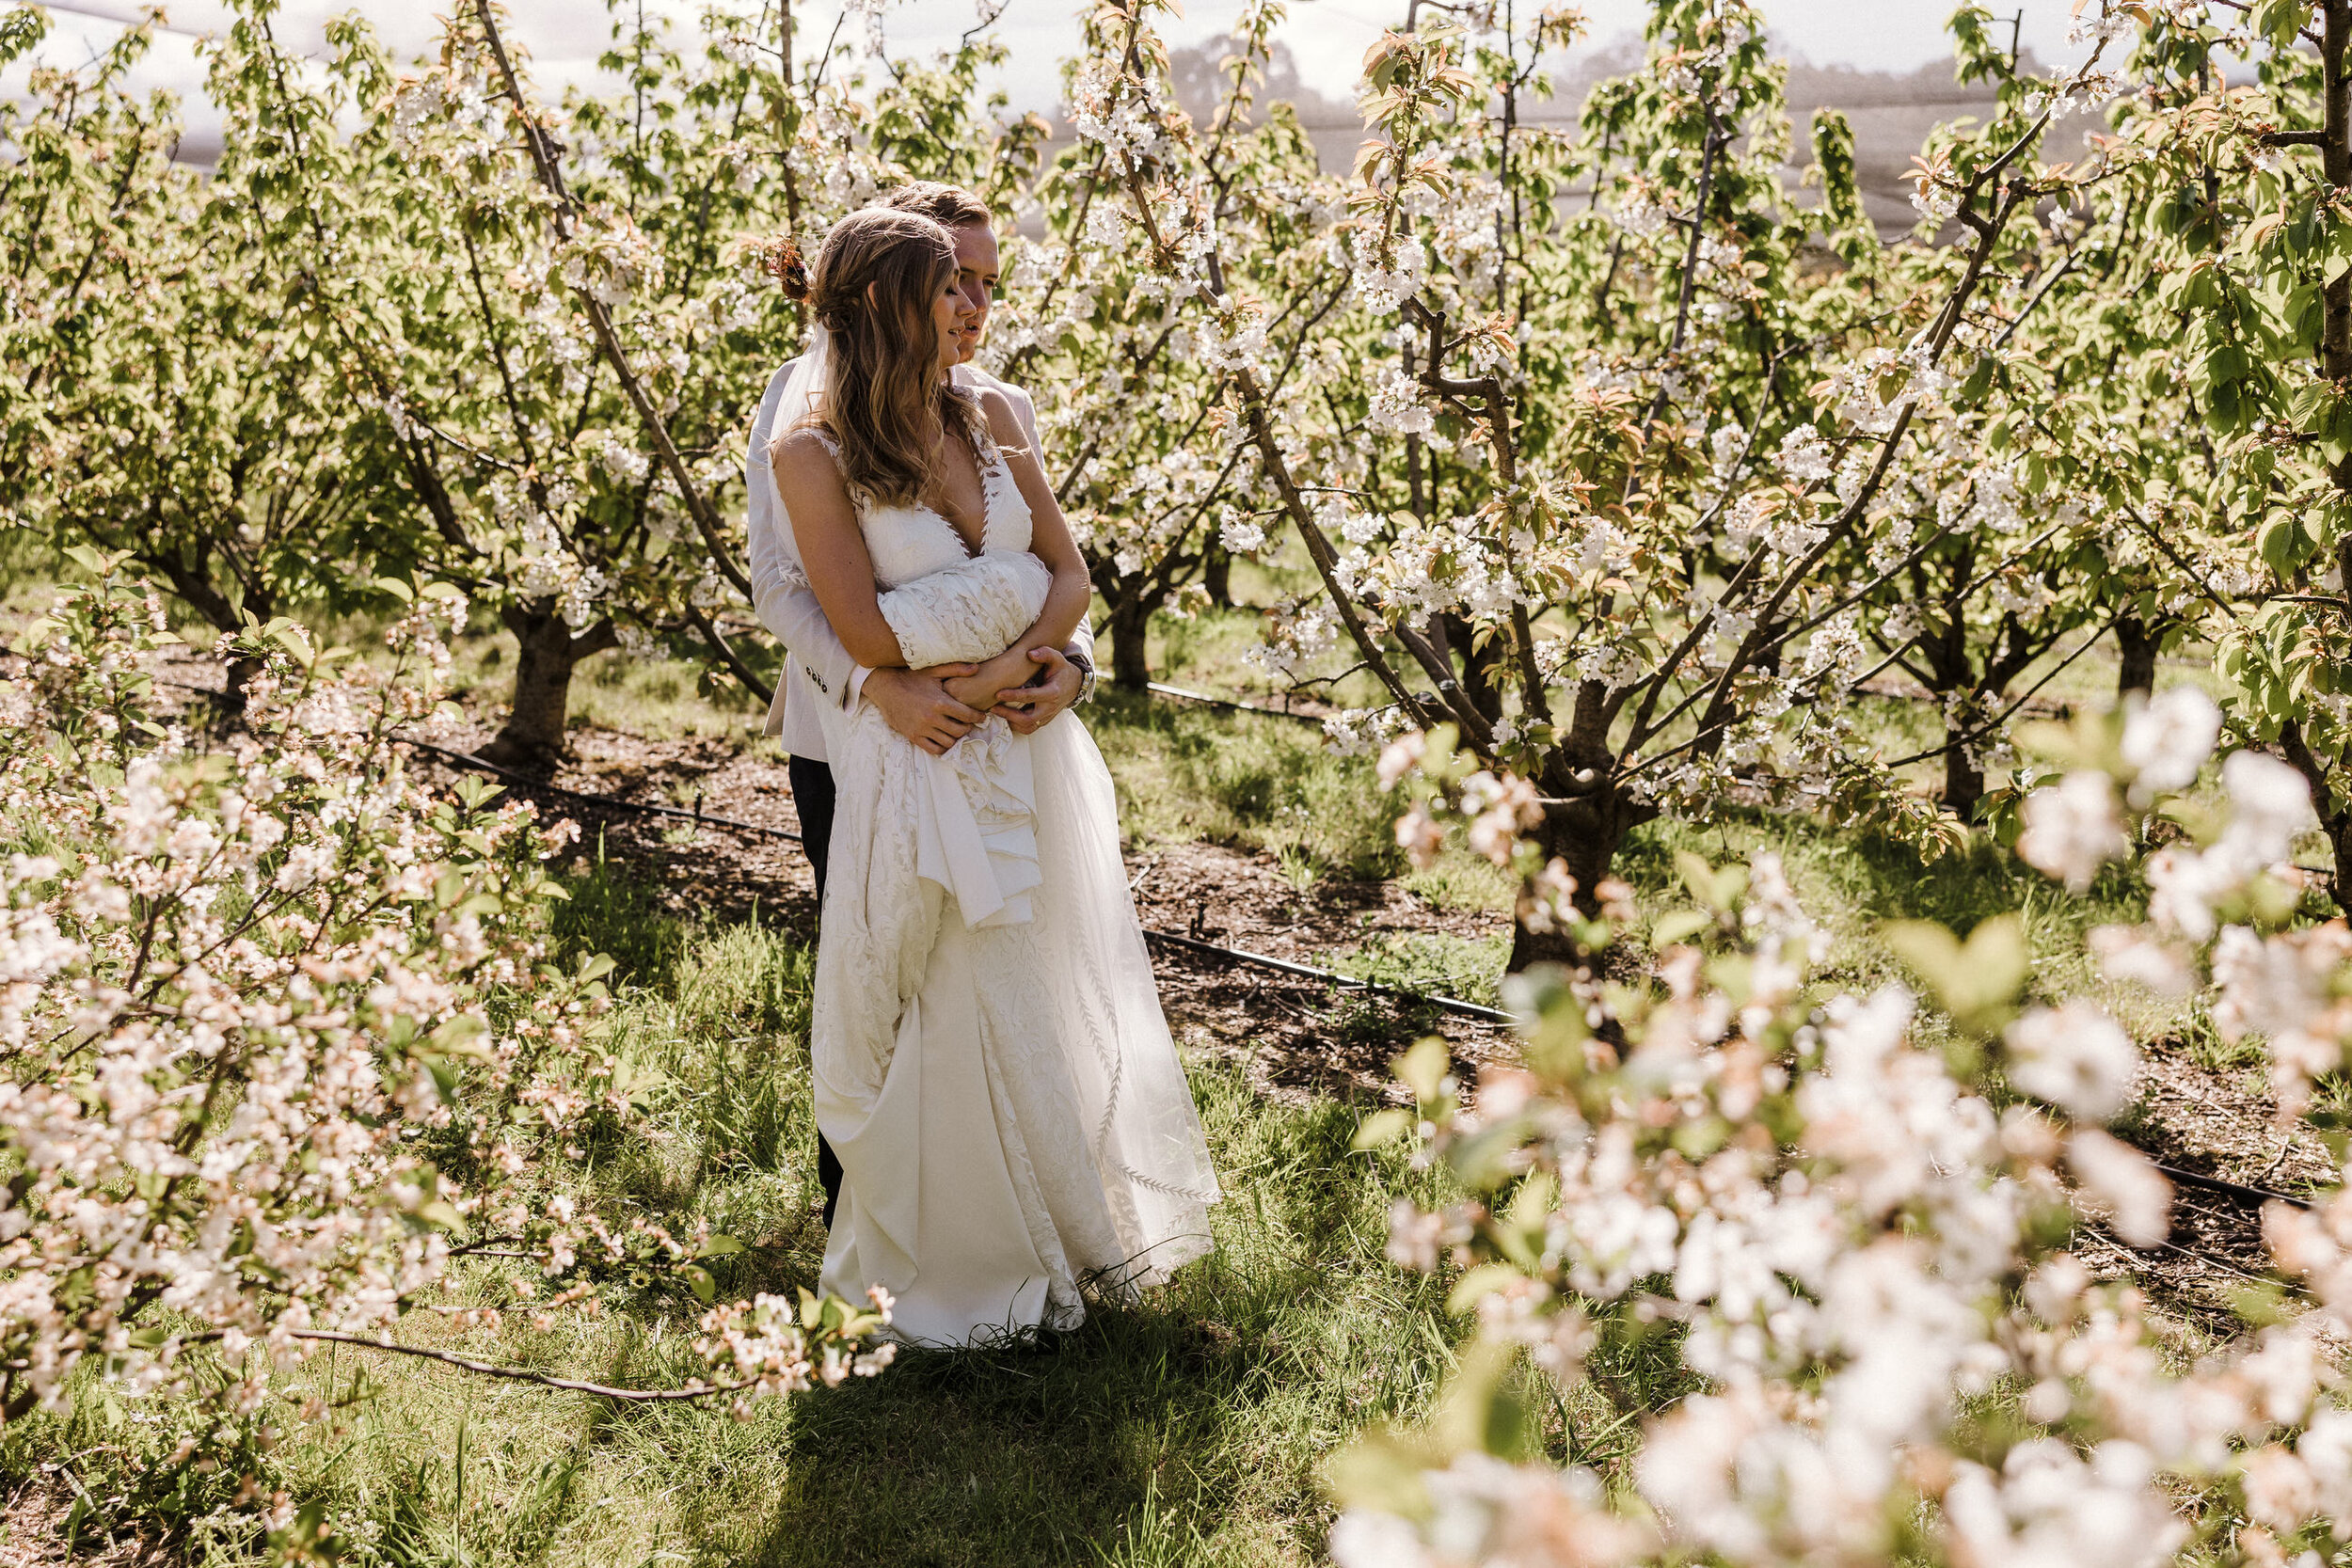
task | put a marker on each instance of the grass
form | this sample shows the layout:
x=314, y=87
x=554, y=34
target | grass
x=1466, y=968
x=1188, y=774
x=1185, y=1428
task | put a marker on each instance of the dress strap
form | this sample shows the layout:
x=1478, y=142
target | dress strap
x=858, y=497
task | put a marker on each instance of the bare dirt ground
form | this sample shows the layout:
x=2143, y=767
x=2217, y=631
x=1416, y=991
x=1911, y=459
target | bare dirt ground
x=1296, y=1038
x=32, y=1532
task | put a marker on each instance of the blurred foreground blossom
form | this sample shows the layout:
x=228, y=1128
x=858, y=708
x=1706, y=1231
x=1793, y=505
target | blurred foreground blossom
x=280, y=1043
x=1844, y=1256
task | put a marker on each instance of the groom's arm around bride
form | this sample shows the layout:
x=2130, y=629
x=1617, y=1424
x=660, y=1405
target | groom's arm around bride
x=916, y=703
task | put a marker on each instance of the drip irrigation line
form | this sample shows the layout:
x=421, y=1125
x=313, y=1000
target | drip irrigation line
x=1308, y=971
x=1232, y=954
x=606, y=803
x=2230, y=1189
x=1160, y=689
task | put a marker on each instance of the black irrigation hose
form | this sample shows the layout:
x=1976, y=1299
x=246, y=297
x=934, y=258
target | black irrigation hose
x=2229, y=1188
x=613, y=803
x=1159, y=689
x=607, y=802
x=1468, y=1009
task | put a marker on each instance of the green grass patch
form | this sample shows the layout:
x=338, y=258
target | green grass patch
x=1185, y=1428
x=1188, y=774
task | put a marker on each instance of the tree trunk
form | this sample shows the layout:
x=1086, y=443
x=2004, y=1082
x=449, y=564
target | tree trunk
x=1217, y=576
x=1585, y=833
x=1480, y=667
x=2137, y=645
x=532, y=740
x=1131, y=621
x=241, y=673
x=1964, y=781
x=196, y=587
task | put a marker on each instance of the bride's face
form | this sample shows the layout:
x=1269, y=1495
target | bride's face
x=947, y=311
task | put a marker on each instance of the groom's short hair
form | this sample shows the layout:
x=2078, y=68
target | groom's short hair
x=949, y=206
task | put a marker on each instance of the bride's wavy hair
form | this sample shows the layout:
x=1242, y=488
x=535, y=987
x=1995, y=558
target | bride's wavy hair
x=885, y=401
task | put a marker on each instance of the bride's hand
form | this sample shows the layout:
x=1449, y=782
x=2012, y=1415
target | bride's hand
x=918, y=705
x=982, y=689
x=1052, y=689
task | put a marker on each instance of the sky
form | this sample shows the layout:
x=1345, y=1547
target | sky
x=1326, y=37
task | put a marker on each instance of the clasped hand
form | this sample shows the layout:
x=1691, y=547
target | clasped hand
x=937, y=706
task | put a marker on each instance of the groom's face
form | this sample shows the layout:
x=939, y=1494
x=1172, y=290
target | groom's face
x=976, y=281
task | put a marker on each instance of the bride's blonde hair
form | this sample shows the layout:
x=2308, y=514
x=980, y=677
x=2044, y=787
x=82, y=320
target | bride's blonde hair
x=885, y=401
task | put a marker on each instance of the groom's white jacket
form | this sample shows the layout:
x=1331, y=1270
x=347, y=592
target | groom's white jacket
x=816, y=668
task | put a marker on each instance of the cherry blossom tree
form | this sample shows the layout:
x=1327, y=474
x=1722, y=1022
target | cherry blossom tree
x=281, y=1047
x=1601, y=484
x=1860, y=1251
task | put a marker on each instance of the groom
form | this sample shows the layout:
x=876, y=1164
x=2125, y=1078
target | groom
x=816, y=668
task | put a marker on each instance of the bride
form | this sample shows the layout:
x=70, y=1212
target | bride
x=991, y=1062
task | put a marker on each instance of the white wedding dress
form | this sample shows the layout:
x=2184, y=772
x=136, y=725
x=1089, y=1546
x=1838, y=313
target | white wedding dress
x=992, y=1065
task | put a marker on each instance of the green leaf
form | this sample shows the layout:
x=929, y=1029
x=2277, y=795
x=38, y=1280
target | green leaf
x=1678, y=925
x=2285, y=542
x=2279, y=21
x=1979, y=382
x=1382, y=1127
x=2224, y=410
x=1424, y=1066
x=1477, y=1285
x=1717, y=889
x=457, y=1036
x=1975, y=981
x=439, y=1214
x=705, y=1289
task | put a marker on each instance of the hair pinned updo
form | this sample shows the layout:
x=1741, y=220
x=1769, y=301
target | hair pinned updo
x=782, y=261
x=884, y=403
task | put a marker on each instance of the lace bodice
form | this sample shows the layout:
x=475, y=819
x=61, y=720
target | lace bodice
x=910, y=542
x=946, y=604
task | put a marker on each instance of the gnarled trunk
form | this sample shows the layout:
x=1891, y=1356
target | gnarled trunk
x=531, y=740
x=193, y=582
x=1585, y=832
x=1131, y=622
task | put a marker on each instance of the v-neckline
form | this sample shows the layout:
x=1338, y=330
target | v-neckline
x=971, y=550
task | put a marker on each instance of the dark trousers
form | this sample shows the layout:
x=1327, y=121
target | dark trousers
x=812, y=798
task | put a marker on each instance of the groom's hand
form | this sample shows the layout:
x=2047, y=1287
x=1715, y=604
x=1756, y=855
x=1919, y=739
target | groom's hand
x=1030, y=708
x=916, y=704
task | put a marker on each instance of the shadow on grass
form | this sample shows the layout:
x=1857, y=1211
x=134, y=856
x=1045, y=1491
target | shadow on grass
x=1187, y=1427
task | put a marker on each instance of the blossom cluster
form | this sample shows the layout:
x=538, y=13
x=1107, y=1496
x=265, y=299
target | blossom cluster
x=1866, y=1247
x=281, y=1040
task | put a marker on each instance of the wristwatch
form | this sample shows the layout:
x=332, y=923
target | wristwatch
x=1086, y=675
